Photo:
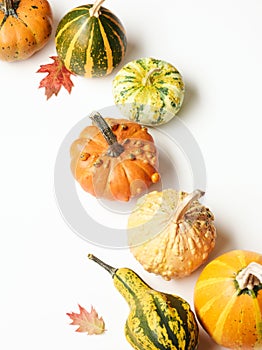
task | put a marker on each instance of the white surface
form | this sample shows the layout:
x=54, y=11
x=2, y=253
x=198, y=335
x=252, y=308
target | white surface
x=45, y=273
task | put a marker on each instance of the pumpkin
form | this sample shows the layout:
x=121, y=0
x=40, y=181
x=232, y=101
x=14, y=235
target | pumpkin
x=171, y=233
x=148, y=91
x=157, y=320
x=115, y=159
x=25, y=28
x=228, y=299
x=90, y=40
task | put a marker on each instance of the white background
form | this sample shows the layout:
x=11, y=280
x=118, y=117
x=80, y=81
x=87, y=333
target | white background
x=44, y=269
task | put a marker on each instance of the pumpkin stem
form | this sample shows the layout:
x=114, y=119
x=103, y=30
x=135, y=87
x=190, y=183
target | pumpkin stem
x=114, y=149
x=95, y=9
x=186, y=202
x=110, y=269
x=148, y=78
x=250, y=276
x=9, y=8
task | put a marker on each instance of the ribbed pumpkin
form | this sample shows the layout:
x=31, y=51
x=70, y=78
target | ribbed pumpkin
x=157, y=321
x=25, y=28
x=90, y=40
x=228, y=299
x=114, y=159
x=149, y=91
x=171, y=233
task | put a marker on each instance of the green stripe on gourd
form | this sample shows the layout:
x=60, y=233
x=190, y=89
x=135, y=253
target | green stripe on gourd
x=90, y=40
x=157, y=321
x=149, y=91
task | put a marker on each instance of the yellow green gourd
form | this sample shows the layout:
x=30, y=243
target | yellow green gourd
x=157, y=320
x=149, y=91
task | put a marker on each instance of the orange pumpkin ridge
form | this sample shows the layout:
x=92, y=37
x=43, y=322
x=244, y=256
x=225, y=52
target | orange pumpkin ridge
x=25, y=28
x=115, y=159
x=228, y=299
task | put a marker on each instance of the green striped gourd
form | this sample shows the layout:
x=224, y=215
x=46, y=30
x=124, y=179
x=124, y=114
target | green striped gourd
x=149, y=91
x=157, y=321
x=90, y=40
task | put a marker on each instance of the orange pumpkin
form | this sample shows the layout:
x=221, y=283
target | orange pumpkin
x=25, y=28
x=228, y=299
x=115, y=159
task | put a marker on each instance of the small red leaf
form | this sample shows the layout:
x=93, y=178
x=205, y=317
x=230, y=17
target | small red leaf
x=88, y=322
x=57, y=77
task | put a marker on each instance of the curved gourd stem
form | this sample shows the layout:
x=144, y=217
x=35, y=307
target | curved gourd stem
x=250, y=276
x=186, y=202
x=115, y=149
x=148, y=78
x=9, y=8
x=110, y=269
x=94, y=11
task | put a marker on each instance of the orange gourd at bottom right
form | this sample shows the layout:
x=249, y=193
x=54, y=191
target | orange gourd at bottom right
x=228, y=300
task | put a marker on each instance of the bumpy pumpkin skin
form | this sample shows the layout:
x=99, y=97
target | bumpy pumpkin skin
x=115, y=178
x=26, y=33
x=233, y=321
x=149, y=91
x=166, y=246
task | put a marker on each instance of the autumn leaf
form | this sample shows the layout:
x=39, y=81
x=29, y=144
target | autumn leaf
x=88, y=322
x=57, y=77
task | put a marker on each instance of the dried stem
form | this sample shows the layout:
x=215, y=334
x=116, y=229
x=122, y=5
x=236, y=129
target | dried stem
x=107, y=267
x=187, y=201
x=95, y=9
x=250, y=276
x=114, y=149
x=9, y=8
x=148, y=78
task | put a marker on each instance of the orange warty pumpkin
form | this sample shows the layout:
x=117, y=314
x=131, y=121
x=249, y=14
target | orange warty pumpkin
x=25, y=28
x=228, y=300
x=115, y=159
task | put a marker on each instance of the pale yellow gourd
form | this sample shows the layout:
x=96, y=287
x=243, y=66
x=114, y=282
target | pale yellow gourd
x=149, y=91
x=171, y=233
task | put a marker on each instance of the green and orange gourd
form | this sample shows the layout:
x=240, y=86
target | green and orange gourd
x=90, y=40
x=157, y=321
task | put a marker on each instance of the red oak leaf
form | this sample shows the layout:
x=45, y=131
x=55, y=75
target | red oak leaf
x=88, y=322
x=57, y=77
